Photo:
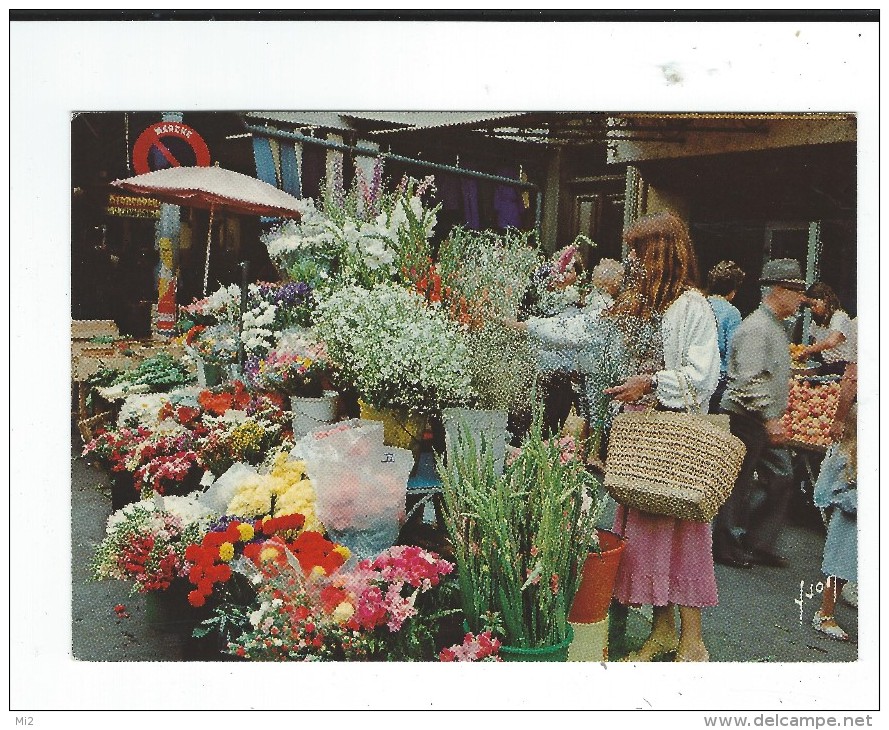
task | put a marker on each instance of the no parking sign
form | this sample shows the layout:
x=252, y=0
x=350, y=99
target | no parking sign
x=169, y=144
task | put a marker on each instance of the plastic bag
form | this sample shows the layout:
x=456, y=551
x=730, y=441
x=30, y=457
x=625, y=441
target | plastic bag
x=360, y=484
x=221, y=492
x=353, y=437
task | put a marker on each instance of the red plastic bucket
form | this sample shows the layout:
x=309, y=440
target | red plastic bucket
x=597, y=582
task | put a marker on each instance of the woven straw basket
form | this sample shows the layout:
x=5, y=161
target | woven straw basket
x=677, y=464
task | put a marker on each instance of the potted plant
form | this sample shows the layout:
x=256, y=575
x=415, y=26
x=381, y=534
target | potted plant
x=299, y=370
x=404, y=358
x=520, y=540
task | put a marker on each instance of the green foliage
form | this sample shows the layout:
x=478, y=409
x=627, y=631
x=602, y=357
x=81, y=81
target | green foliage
x=161, y=372
x=519, y=538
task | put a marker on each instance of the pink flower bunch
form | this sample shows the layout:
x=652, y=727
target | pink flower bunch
x=481, y=648
x=163, y=470
x=567, y=448
x=410, y=564
x=116, y=447
x=198, y=306
x=376, y=586
x=374, y=608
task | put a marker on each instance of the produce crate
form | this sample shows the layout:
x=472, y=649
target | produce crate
x=811, y=410
x=86, y=364
x=84, y=329
x=89, y=426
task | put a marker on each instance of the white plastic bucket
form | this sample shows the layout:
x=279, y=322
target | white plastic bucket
x=489, y=426
x=312, y=413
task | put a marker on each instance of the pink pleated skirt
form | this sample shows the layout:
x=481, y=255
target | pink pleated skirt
x=666, y=560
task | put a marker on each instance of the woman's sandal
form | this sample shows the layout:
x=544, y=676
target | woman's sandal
x=705, y=657
x=652, y=650
x=827, y=625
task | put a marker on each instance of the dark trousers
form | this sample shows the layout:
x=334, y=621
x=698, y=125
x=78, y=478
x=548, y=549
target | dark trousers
x=558, y=398
x=716, y=398
x=758, y=504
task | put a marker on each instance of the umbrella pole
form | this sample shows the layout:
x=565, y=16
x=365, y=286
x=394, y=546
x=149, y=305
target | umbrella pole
x=245, y=267
x=209, y=239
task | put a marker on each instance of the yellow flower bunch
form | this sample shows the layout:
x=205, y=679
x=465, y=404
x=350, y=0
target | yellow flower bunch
x=253, y=498
x=246, y=436
x=295, y=492
x=287, y=482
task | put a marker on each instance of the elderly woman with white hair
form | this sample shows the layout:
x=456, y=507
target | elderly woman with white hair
x=564, y=341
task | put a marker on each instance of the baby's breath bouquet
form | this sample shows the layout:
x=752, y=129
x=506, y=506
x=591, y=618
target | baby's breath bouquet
x=501, y=366
x=394, y=349
x=485, y=275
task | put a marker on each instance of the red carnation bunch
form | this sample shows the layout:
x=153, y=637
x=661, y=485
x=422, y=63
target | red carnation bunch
x=150, y=563
x=232, y=397
x=145, y=546
x=262, y=542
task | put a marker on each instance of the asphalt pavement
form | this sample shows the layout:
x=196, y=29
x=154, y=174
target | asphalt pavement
x=757, y=620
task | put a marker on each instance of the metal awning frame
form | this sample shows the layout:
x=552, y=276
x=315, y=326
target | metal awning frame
x=371, y=152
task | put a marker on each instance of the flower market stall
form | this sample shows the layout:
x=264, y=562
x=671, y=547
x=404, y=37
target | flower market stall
x=264, y=509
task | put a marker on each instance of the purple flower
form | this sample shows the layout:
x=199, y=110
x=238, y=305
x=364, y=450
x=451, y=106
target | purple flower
x=221, y=524
x=251, y=371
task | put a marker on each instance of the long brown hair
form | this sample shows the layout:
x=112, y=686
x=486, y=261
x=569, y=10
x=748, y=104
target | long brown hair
x=667, y=264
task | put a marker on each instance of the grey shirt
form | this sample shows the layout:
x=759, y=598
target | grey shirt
x=758, y=367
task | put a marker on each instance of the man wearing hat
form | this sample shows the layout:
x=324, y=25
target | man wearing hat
x=747, y=527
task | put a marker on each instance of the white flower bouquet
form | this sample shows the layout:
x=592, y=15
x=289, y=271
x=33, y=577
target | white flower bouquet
x=362, y=236
x=393, y=349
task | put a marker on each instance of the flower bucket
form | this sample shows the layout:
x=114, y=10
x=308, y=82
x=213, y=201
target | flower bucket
x=556, y=653
x=169, y=611
x=597, y=582
x=590, y=642
x=208, y=375
x=481, y=424
x=312, y=413
x=401, y=427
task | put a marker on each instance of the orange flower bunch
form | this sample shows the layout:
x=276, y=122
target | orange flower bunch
x=219, y=401
x=314, y=552
x=427, y=282
x=210, y=559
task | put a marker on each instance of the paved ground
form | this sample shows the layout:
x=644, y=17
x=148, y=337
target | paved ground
x=757, y=620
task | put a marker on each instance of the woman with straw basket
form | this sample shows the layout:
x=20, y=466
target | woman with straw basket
x=668, y=561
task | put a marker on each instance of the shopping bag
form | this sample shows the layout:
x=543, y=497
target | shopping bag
x=678, y=464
